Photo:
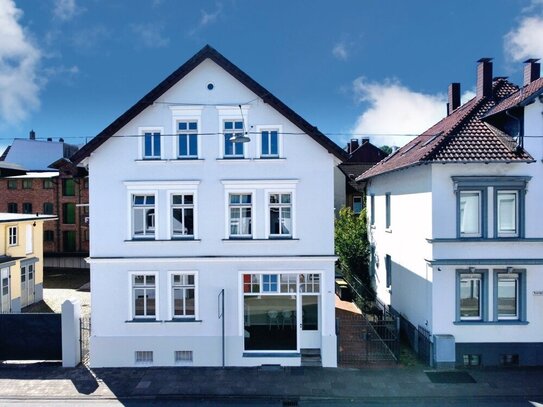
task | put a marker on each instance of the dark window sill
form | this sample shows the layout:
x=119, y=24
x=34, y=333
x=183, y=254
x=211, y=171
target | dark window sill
x=143, y=321
x=276, y=239
x=491, y=322
x=271, y=354
x=183, y=320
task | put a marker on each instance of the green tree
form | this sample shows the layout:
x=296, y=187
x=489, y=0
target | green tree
x=386, y=149
x=353, y=249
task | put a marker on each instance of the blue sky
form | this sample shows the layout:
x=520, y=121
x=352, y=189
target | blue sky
x=68, y=68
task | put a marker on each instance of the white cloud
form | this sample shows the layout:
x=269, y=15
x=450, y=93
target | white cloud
x=207, y=18
x=66, y=9
x=151, y=35
x=395, y=111
x=525, y=41
x=340, y=51
x=19, y=60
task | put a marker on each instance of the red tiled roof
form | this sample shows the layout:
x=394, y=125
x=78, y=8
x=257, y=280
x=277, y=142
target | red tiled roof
x=460, y=137
x=524, y=94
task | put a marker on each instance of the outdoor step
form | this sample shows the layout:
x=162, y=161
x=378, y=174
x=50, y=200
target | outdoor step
x=310, y=352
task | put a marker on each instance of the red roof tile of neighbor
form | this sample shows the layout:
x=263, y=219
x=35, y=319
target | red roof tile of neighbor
x=461, y=137
x=521, y=96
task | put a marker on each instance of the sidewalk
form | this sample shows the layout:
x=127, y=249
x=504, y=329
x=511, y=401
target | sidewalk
x=46, y=381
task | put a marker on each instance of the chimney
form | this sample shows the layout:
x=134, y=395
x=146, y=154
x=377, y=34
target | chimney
x=484, y=77
x=61, y=140
x=365, y=140
x=532, y=71
x=454, y=97
x=353, y=145
x=49, y=139
x=32, y=135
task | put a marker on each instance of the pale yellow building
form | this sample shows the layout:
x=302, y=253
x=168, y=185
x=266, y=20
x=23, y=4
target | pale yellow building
x=21, y=260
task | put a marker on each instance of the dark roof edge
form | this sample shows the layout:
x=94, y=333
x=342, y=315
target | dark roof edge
x=180, y=73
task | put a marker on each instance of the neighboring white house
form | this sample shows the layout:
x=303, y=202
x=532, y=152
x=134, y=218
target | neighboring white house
x=456, y=225
x=192, y=230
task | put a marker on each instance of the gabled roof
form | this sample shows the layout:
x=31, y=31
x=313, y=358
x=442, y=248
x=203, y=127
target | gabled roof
x=205, y=53
x=461, y=137
x=37, y=155
x=521, y=97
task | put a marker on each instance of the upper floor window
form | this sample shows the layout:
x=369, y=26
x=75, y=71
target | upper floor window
x=187, y=139
x=183, y=215
x=470, y=213
x=508, y=211
x=144, y=296
x=372, y=210
x=240, y=210
x=12, y=207
x=12, y=184
x=183, y=295
x=507, y=206
x=47, y=184
x=27, y=184
x=27, y=207
x=48, y=208
x=143, y=216
x=388, y=210
x=12, y=236
x=151, y=145
x=233, y=128
x=269, y=143
x=68, y=187
x=280, y=207
x=357, y=204
x=68, y=213
x=388, y=268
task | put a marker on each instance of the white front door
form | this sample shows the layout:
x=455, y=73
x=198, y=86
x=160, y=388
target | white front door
x=5, y=302
x=24, y=287
x=30, y=284
x=310, y=321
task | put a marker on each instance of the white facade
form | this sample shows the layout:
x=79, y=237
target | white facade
x=428, y=258
x=303, y=171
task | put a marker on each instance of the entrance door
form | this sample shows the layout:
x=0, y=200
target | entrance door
x=5, y=302
x=24, y=287
x=30, y=284
x=310, y=324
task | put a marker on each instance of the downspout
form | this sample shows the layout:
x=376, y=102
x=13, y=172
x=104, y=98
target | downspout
x=59, y=186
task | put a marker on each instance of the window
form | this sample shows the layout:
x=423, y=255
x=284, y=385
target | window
x=12, y=184
x=68, y=213
x=143, y=216
x=27, y=184
x=508, y=211
x=388, y=267
x=68, y=241
x=12, y=236
x=472, y=360
x=387, y=205
x=188, y=139
x=269, y=143
x=470, y=213
x=240, y=209
x=357, y=204
x=509, y=295
x=27, y=207
x=509, y=359
x=47, y=184
x=86, y=183
x=144, y=357
x=48, y=208
x=48, y=236
x=12, y=207
x=183, y=215
x=183, y=356
x=144, y=296
x=68, y=187
x=280, y=207
x=269, y=283
x=151, y=145
x=372, y=210
x=233, y=128
x=309, y=283
x=183, y=295
x=471, y=294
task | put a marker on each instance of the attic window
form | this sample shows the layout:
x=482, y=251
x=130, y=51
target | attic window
x=210, y=86
x=410, y=148
x=431, y=139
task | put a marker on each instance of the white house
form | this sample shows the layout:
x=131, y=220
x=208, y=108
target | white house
x=191, y=231
x=456, y=226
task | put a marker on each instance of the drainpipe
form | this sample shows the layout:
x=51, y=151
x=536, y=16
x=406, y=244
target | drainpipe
x=59, y=186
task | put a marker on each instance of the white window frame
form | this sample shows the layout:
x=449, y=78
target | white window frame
x=259, y=131
x=132, y=304
x=183, y=206
x=229, y=113
x=186, y=114
x=188, y=133
x=241, y=206
x=481, y=223
x=141, y=142
x=291, y=192
x=514, y=233
x=508, y=276
x=171, y=312
x=472, y=276
x=13, y=236
x=133, y=236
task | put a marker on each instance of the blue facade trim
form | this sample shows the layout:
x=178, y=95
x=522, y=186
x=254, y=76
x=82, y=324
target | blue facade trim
x=521, y=192
x=271, y=355
x=484, y=212
x=490, y=240
x=490, y=181
x=491, y=353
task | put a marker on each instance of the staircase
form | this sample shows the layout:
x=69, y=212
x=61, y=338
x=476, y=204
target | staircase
x=311, y=357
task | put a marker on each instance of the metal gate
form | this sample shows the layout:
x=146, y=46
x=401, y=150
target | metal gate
x=84, y=339
x=424, y=345
x=30, y=337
